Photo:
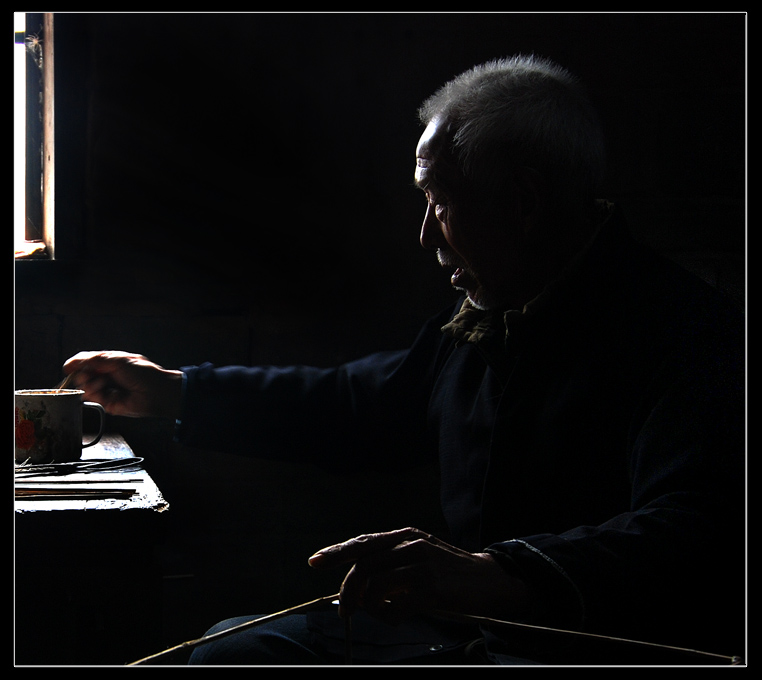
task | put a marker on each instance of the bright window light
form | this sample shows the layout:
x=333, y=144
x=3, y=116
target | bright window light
x=19, y=135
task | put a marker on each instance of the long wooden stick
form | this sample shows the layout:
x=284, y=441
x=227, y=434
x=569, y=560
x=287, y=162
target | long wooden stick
x=190, y=644
x=463, y=618
x=486, y=621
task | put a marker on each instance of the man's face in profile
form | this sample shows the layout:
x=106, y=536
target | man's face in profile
x=479, y=243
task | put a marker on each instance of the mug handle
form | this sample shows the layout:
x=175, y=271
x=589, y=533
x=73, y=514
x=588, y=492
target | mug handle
x=101, y=418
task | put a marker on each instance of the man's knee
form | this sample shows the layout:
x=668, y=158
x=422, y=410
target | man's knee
x=284, y=641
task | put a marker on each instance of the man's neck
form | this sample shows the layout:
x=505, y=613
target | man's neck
x=571, y=242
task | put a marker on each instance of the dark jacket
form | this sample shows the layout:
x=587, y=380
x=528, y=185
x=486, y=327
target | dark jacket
x=594, y=444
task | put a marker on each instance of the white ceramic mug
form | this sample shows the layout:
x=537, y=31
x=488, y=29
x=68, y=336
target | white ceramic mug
x=48, y=425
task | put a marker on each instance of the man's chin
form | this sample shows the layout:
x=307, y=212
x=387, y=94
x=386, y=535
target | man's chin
x=480, y=301
x=476, y=303
x=475, y=297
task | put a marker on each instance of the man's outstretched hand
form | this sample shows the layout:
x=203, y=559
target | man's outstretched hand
x=126, y=384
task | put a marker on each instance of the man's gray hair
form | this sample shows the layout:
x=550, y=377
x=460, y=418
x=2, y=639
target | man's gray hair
x=523, y=111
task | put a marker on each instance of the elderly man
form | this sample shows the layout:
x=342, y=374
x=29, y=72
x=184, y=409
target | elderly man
x=584, y=400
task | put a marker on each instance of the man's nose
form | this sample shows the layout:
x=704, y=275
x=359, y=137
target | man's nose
x=431, y=230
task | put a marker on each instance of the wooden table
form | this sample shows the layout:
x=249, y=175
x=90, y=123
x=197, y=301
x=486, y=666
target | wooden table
x=99, y=488
x=87, y=583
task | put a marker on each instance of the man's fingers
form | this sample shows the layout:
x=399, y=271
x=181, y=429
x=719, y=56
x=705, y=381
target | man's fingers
x=95, y=384
x=362, y=546
x=386, y=592
x=83, y=360
x=100, y=362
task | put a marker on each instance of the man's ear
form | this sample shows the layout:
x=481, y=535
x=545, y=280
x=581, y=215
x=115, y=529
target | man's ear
x=532, y=197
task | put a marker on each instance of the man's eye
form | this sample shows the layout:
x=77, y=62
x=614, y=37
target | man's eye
x=437, y=203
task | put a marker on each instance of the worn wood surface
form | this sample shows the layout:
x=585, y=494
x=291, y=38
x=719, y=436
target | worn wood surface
x=120, y=488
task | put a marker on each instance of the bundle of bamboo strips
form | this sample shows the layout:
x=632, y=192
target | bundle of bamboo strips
x=29, y=493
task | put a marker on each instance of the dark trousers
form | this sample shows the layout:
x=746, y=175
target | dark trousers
x=318, y=639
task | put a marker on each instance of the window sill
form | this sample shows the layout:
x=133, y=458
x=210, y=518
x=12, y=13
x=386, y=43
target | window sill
x=31, y=250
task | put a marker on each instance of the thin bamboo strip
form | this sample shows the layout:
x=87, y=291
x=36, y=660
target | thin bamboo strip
x=190, y=644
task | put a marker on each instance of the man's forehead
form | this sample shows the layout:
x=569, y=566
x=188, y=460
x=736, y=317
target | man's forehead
x=433, y=140
x=433, y=155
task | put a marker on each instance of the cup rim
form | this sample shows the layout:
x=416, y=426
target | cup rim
x=49, y=392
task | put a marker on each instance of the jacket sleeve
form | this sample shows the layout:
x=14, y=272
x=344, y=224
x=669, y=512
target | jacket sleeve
x=367, y=412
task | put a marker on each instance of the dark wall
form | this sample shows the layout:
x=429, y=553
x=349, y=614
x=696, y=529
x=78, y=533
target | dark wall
x=256, y=169
x=238, y=189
